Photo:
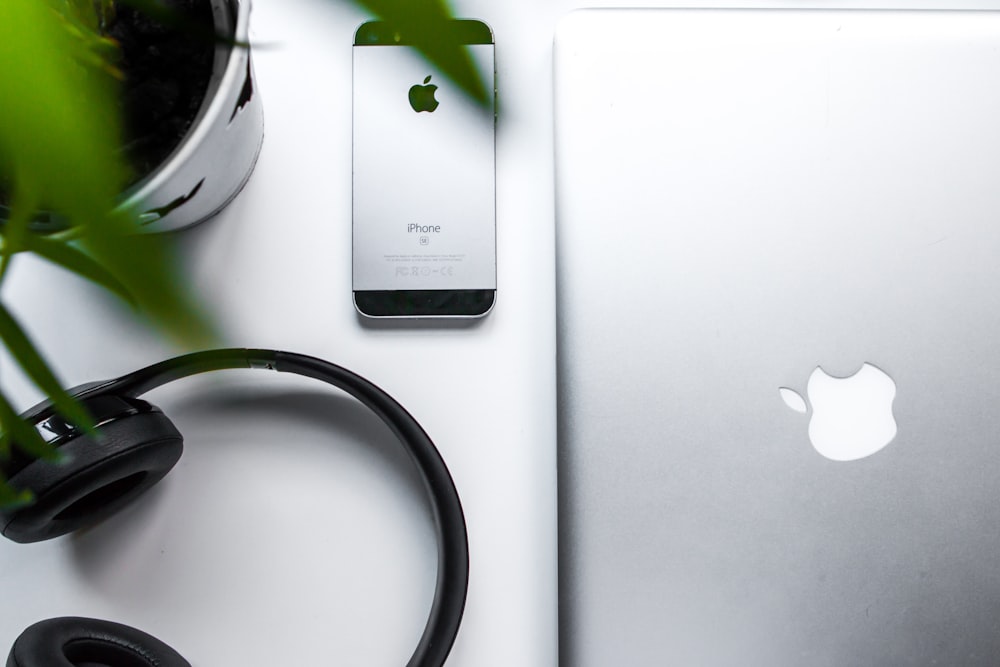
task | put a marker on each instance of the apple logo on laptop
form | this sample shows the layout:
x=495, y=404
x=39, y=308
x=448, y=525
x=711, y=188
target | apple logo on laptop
x=852, y=416
x=422, y=97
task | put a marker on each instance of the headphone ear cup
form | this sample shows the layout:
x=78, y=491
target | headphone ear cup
x=72, y=641
x=99, y=475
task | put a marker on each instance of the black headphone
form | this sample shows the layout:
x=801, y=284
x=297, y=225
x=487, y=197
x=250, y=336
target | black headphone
x=135, y=445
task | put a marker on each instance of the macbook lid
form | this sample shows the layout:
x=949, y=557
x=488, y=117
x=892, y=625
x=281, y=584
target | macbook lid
x=779, y=305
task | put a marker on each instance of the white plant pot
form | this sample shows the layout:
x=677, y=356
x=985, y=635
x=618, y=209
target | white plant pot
x=214, y=160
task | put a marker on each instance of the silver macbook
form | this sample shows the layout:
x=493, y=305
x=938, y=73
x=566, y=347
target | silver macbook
x=779, y=337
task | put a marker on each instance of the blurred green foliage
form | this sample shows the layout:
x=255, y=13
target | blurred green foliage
x=420, y=19
x=59, y=136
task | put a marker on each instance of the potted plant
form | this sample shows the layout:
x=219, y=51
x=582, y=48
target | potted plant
x=215, y=129
x=72, y=194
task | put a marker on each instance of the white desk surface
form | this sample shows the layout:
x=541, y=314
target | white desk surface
x=321, y=550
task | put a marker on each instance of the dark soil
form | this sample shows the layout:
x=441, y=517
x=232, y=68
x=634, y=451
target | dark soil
x=167, y=71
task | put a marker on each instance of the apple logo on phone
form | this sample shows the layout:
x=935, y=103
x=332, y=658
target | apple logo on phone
x=422, y=96
x=851, y=416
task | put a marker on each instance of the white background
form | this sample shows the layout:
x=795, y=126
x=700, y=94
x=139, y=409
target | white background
x=293, y=531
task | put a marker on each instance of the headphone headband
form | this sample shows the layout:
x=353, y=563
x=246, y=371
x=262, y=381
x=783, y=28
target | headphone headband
x=452, y=538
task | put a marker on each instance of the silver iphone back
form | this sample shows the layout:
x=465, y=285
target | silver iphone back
x=423, y=186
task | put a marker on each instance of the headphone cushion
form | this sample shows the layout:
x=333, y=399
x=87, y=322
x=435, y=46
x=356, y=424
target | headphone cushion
x=74, y=641
x=98, y=476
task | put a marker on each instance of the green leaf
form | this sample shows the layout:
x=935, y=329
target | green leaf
x=60, y=128
x=11, y=498
x=35, y=367
x=147, y=264
x=70, y=258
x=27, y=439
x=23, y=435
x=423, y=20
